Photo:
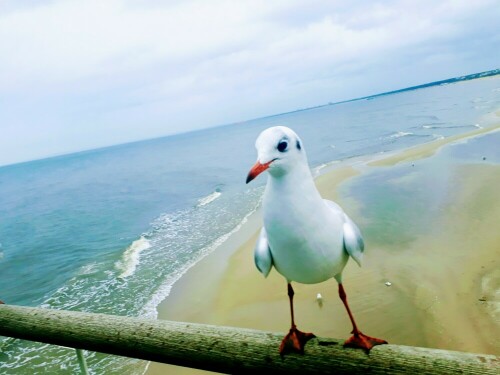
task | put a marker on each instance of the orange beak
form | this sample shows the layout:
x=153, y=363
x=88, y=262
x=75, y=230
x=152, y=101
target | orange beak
x=258, y=169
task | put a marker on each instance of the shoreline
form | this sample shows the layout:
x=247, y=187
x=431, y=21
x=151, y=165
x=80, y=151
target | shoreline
x=224, y=287
x=428, y=149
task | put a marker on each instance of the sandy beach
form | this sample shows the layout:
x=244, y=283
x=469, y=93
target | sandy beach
x=445, y=282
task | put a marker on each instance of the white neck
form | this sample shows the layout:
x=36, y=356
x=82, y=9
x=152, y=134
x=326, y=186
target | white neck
x=297, y=184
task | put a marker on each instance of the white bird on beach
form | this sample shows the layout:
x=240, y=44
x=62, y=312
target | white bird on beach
x=307, y=239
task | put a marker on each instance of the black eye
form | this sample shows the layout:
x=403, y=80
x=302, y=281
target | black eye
x=282, y=146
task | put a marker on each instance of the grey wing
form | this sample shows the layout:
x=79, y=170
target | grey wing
x=262, y=254
x=353, y=240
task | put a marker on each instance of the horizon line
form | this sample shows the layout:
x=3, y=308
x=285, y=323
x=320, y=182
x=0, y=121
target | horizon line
x=467, y=77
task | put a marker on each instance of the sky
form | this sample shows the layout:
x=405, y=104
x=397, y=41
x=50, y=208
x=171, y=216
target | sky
x=77, y=75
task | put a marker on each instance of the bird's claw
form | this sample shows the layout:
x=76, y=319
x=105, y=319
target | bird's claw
x=362, y=341
x=295, y=341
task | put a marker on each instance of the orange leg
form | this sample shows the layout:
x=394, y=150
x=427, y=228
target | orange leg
x=358, y=339
x=295, y=340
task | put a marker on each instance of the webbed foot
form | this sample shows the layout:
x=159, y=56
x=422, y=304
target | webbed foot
x=362, y=341
x=295, y=341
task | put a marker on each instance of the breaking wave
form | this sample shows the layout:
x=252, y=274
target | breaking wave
x=130, y=258
x=400, y=134
x=437, y=126
x=209, y=198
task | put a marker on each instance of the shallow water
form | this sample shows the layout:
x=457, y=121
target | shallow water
x=401, y=203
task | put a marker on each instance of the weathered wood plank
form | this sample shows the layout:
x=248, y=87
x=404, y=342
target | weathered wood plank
x=225, y=349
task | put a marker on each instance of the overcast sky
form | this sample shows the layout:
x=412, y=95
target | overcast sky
x=77, y=75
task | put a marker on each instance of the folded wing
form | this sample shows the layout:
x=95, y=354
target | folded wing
x=262, y=254
x=353, y=240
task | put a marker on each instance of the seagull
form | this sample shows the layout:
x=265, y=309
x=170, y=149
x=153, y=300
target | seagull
x=306, y=238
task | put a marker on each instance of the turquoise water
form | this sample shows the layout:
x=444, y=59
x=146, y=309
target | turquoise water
x=399, y=204
x=111, y=230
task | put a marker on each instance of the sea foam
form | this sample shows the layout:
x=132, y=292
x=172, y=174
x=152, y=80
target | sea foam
x=130, y=258
x=150, y=309
x=434, y=126
x=400, y=134
x=209, y=198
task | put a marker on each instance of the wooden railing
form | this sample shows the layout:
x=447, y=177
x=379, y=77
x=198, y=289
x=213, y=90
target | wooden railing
x=225, y=349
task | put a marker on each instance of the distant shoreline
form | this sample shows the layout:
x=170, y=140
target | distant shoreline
x=488, y=73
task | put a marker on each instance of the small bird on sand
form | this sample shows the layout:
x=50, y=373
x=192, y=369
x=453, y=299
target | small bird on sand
x=307, y=239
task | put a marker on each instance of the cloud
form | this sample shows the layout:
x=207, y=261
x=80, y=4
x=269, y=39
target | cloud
x=55, y=45
x=125, y=70
x=70, y=40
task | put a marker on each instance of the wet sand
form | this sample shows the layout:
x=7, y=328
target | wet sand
x=445, y=284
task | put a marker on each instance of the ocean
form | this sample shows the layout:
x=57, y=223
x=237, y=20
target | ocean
x=111, y=230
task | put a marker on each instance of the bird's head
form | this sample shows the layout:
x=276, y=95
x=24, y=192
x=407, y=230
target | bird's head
x=279, y=150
